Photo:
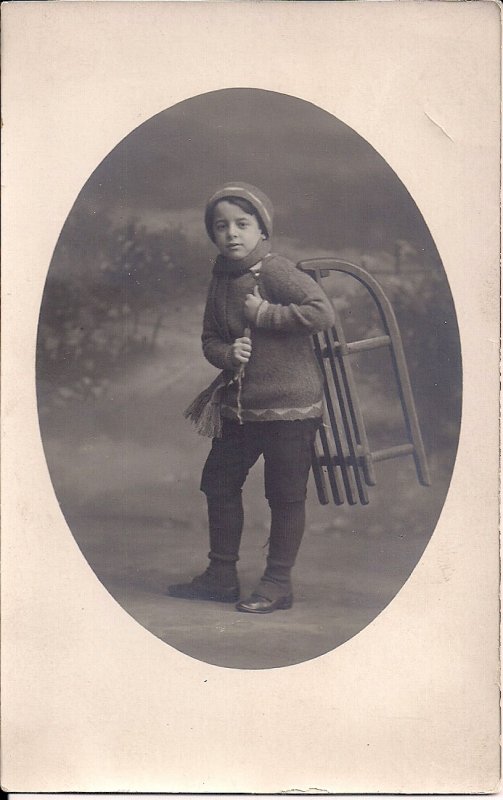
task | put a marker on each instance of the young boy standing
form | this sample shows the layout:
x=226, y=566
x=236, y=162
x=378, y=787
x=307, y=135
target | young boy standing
x=260, y=314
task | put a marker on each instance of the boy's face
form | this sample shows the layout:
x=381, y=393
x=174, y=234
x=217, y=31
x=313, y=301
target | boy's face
x=236, y=232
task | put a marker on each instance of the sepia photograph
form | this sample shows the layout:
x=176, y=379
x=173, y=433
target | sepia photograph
x=250, y=398
x=175, y=274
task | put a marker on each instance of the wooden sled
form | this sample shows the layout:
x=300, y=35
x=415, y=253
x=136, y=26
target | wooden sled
x=341, y=455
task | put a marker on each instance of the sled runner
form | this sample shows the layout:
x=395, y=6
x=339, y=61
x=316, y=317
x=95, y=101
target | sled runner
x=341, y=453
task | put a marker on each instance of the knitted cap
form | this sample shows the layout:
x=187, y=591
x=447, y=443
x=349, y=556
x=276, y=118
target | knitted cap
x=245, y=191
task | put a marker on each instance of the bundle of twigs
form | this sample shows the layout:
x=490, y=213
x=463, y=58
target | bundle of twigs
x=204, y=411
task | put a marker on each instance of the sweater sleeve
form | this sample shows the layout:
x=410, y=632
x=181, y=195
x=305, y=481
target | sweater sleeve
x=217, y=351
x=297, y=303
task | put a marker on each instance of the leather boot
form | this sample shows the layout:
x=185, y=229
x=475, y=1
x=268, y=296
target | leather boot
x=218, y=582
x=275, y=589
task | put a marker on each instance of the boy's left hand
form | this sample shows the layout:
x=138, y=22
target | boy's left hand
x=252, y=303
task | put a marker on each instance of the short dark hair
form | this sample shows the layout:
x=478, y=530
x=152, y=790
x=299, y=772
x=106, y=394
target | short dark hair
x=245, y=206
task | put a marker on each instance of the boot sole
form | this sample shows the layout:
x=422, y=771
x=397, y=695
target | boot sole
x=282, y=605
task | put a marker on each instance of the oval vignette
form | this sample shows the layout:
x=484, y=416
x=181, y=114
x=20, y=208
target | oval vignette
x=119, y=358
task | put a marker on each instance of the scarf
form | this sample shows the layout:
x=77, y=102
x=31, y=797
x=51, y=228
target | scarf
x=226, y=266
x=204, y=411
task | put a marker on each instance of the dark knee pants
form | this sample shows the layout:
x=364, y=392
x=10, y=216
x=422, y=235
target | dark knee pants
x=286, y=447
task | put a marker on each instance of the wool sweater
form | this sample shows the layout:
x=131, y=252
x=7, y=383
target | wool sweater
x=282, y=379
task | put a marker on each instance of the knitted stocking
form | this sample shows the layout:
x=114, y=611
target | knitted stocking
x=287, y=528
x=225, y=517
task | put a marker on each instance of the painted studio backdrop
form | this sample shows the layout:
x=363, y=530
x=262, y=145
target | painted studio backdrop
x=119, y=359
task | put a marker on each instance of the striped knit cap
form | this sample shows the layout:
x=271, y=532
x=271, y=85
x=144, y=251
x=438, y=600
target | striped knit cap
x=245, y=191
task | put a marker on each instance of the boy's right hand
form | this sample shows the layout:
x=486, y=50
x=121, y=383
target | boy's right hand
x=241, y=351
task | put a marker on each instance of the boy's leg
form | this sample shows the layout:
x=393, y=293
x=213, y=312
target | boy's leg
x=287, y=454
x=225, y=522
x=224, y=473
x=287, y=529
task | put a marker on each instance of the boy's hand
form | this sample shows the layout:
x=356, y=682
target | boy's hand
x=252, y=304
x=241, y=351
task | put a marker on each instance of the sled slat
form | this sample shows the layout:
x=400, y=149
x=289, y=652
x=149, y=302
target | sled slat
x=348, y=413
x=336, y=427
x=334, y=475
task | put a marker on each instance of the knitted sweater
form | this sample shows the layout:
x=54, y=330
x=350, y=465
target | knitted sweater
x=282, y=379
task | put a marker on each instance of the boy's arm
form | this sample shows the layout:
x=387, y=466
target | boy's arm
x=215, y=349
x=302, y=306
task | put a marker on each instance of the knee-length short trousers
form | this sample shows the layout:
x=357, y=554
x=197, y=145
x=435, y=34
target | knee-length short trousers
x=285, y=446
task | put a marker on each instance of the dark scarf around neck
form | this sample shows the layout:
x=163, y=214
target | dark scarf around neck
x=227, y=266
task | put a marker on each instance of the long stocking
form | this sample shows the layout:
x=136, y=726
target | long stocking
x=225, y=517
x=287, y=528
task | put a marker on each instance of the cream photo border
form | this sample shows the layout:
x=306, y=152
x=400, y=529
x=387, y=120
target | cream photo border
x=91, y=700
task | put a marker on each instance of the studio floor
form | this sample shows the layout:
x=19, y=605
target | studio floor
x=348, y=570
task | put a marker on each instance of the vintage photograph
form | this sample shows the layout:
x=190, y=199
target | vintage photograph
x=250, y=385
x=249, y=378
